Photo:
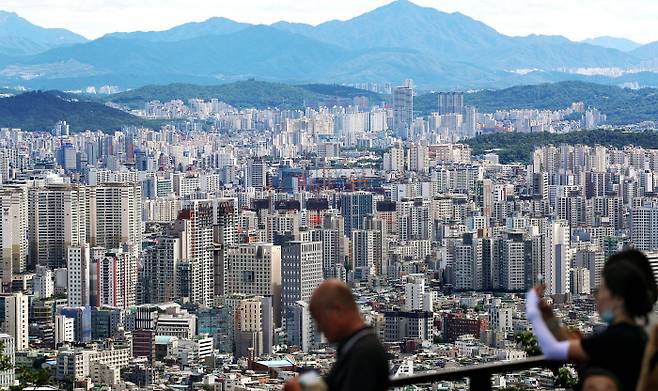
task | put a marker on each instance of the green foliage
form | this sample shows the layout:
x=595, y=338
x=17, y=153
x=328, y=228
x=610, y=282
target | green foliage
x=34, y=376
x=529, y=343
x=244, y=94
x=621, y=105
x=39, y=111
x=518, y=147
x=564, y=378
x=5, y=361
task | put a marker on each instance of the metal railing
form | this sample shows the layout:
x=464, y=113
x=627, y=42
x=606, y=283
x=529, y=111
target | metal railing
x=479, y=375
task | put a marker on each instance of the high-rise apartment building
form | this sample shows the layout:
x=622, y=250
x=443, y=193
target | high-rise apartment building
x=14, y=318
x=450, y=102
x=115, y=215
x=58, y=219
x=13, y=232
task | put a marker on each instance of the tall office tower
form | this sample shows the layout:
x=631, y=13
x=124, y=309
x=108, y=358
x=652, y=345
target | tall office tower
x=363, y=259
x=58, y=217
x=160, y=267
x=78, y=263
x=115, y=215
x=355, y=207
x=117, y=277
x=255, y=269
x=469, y=126
x=248, y=333
x=416, y=297
x=7, y=376
x=301, y=271
x=66, y=157
x=413, y=219
x=403, y=110
x=301, y=328
x=13, y=232
x=644, y=228
x=557, y=257
x=333, y=244
x=255, y=174
x=380, y=244
x=14, y=318
x=451, y=102
x=199, y=213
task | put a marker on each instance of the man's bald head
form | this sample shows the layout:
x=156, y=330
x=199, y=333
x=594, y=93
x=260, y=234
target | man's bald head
x=334, y=310
x=333, y=294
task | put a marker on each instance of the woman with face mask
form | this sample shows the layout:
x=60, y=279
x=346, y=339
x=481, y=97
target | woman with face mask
x=627, y=293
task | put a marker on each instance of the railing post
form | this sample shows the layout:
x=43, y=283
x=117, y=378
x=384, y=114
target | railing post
x=480, y=382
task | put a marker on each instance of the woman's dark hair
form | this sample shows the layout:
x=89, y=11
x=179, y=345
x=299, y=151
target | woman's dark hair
x=628, y=274
x=591, y=372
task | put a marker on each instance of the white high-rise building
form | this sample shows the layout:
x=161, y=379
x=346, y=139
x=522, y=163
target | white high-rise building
x=557, y=257
x=64, y=329
x=255, y=269
x=58, y=217
x=115, y=215
x=15, y=320
x=43, y=285
x=79, y=276
x=416, y=297
x=13, y=232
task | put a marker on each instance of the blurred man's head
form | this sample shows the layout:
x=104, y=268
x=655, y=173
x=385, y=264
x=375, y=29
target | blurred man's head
x=335, y=311
x=599, y=380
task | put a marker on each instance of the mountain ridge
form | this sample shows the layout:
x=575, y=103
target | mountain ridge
x=397, y=41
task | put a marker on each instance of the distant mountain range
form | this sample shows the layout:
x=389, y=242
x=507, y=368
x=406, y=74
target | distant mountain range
x=397, y=41
x=621, y=44
x=19, y=37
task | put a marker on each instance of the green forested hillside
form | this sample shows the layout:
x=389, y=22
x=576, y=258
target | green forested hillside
x=518, y=147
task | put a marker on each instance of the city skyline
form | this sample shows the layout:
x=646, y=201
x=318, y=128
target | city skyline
x=510, y=17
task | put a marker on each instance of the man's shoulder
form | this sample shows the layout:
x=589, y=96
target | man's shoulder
x=369, y=345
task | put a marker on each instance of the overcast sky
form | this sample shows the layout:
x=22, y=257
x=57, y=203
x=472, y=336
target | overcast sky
x=575, y=19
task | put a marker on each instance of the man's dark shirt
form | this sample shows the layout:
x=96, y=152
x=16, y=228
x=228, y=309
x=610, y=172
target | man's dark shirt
x=618, y=349
x=361, y=364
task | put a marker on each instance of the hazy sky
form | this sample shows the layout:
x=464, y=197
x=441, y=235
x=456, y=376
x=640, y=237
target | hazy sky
x=575, y=19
